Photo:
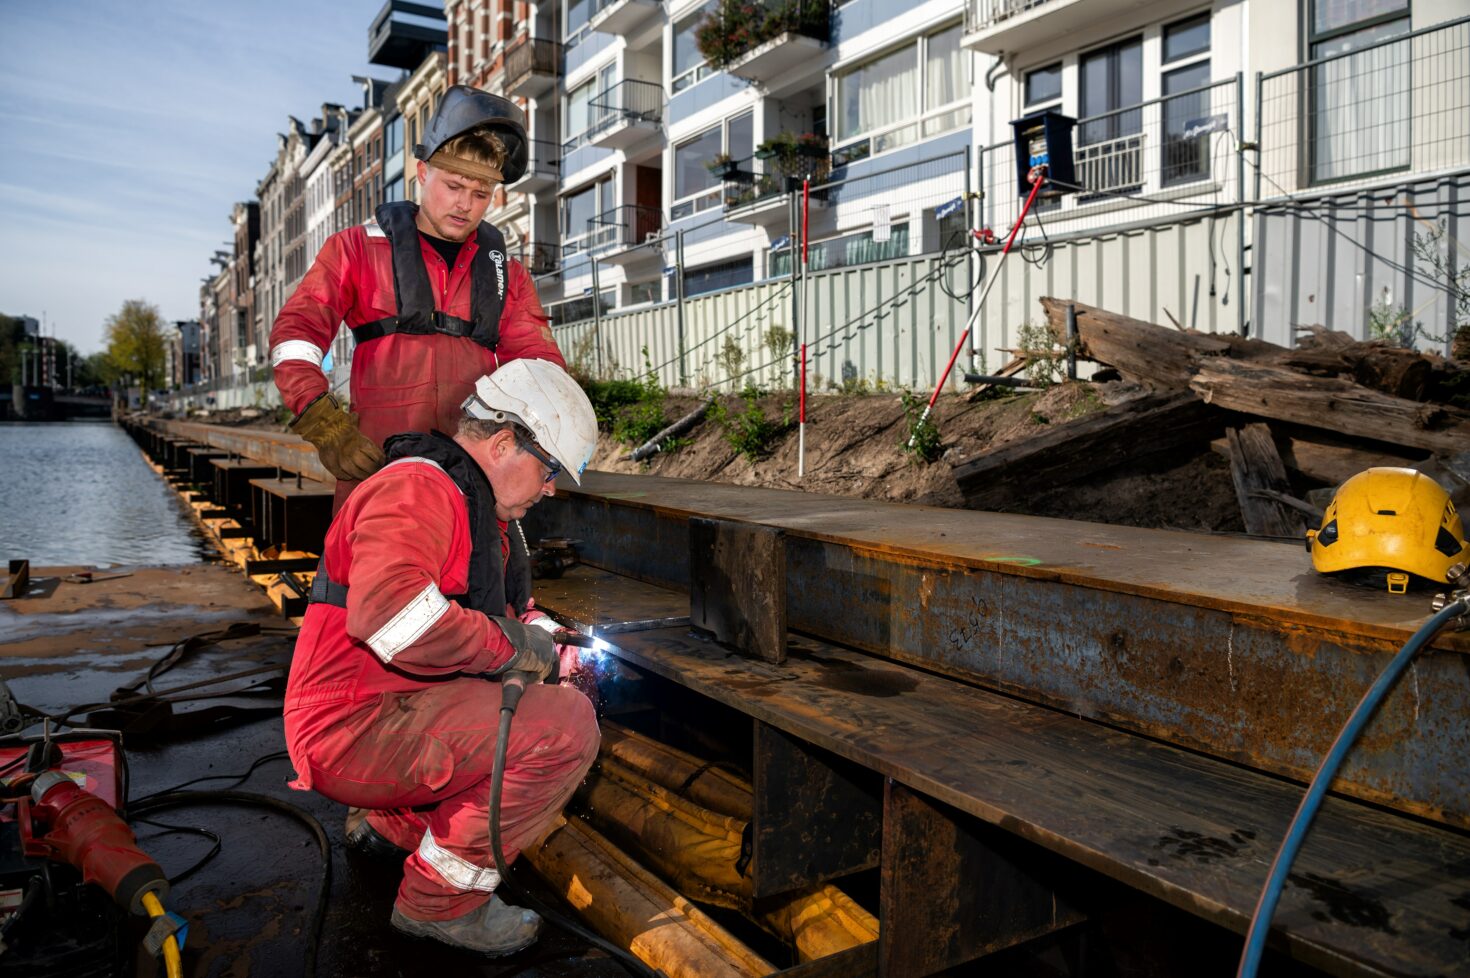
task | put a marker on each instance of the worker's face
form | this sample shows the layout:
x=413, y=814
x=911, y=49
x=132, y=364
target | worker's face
x=518, y=477
x=450, y=206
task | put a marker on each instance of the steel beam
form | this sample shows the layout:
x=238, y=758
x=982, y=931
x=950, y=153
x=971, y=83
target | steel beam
x=954, y=889
x=1225, y=645
x=816, y=817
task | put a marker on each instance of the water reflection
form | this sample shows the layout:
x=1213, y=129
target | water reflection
x=79, y=492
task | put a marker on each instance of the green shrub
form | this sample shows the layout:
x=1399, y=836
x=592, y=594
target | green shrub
x=632, y=411
x=748, y=430
x=922, y=440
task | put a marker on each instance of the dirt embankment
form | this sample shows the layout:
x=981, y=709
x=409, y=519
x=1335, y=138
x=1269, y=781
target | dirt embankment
x=854, y=448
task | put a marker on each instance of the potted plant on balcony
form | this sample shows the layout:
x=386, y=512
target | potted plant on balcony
x=797, y=157
x=737, y=27
x=722, y=166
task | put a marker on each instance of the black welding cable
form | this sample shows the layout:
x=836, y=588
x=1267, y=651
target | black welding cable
x=497, y=780
x=176, y=799
x=238, y=779
x=33, y=893
x=170, y=829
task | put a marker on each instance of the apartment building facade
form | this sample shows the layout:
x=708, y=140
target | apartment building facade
x=682, y=133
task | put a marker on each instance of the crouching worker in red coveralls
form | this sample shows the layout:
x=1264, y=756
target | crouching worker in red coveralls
x=422, y=598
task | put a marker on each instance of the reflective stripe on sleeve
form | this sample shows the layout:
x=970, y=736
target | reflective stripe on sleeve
x=457, y=871
x=404, y=628
x=297, y=350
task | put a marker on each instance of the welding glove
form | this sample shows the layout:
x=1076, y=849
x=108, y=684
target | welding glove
x=570, y=656
x=535, y=652
x=345, y=452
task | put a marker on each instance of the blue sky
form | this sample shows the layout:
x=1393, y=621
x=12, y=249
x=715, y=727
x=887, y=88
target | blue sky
x=130, y=128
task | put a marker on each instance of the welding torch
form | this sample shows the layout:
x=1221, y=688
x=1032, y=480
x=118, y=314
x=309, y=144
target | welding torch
x=512, y=687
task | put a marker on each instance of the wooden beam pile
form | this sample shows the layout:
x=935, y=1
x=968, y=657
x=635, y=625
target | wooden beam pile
x=1288, y=420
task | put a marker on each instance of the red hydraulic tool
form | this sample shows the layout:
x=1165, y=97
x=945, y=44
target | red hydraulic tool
x=68, y=824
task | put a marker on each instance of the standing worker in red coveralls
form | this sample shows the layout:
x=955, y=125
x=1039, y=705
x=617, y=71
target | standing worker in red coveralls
x=427, y=290
x=423, y=595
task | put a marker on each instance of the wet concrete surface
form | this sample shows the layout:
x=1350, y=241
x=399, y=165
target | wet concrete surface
x=249, y=909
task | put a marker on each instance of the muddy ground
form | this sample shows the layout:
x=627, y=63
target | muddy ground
x=854, y=448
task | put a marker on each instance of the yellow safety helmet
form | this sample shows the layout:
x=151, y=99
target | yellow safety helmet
x=1385, y=524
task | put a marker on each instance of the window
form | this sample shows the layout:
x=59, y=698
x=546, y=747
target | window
x=640, y=293
x=848, y=249
x=578, y=13
x=1109, y=152
x=911, y=93
x=721, y=275
x=578, y=116
x=1359, y=115
x=576, y=310
x=695, y=187
x=689, y=65
x=580, y=211
x=692, y=175
x=1185, y=154
x=1044, y=85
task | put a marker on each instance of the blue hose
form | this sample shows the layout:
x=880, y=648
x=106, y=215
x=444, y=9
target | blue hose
x=1301, y=822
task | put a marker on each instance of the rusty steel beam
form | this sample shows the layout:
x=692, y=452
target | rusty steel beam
x=279, y=449
x=1221, y=644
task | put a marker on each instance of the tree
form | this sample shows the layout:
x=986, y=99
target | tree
x=136, y=343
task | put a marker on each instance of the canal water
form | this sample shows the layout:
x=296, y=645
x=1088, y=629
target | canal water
x=79, y=492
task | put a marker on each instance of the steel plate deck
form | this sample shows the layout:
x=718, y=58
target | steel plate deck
x=1372, y=894
x=1228, y=645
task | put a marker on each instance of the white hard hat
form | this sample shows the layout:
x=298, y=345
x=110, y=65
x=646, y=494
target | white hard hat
x=542, y=398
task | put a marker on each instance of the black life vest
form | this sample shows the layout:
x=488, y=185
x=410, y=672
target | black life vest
x=415, y=296
x=494, y=581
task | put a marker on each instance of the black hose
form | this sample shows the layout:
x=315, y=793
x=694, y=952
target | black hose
x=1301, y=822
x=510, y=697
x=33, y=893
x=173, y=799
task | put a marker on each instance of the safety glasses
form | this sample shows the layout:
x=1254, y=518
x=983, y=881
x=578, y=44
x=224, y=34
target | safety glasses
x=552, y=465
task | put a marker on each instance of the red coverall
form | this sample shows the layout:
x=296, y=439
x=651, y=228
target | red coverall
x=400, y=382
x=384, y=709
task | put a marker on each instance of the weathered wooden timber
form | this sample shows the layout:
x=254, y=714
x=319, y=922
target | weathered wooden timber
x=1256, y=468
x=1071, y=451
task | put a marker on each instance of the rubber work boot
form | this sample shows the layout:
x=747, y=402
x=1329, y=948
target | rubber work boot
x=494, y=929
x=363, y=838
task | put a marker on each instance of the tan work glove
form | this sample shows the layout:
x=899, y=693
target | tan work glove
x=345, y=452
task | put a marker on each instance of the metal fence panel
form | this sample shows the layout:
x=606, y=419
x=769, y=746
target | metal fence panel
x=1401, y=105
x=1344, y=260
x=1182, y=269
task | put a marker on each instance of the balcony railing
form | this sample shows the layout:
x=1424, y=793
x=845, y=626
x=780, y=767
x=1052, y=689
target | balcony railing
x=629, y=100
x=1178, y=146
x=1401, y=105
x=737, y=27
x=982, y=15
x=539, y=257
x=625, y=226
x=543, y=165
x=532, y=63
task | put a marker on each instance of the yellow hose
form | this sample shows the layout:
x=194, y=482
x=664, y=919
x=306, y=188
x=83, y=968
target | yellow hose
x=173, y=962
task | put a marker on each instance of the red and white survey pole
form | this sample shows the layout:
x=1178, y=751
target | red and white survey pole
x=1038, y=177
x=806, y=189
